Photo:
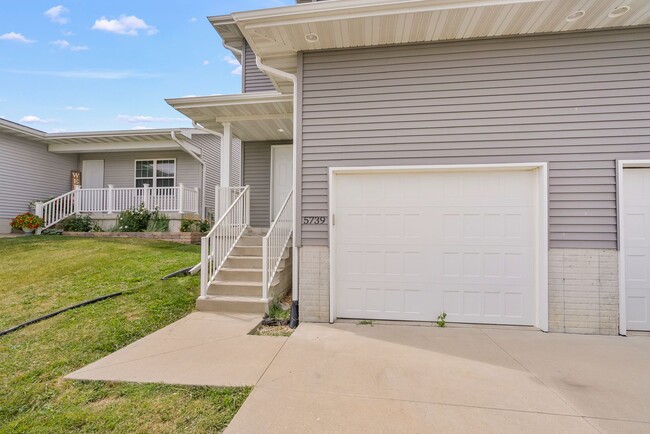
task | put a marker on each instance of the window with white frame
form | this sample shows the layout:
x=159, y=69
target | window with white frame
x=156, y=173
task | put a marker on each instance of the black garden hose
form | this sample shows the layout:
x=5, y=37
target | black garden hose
x=182, y=272
x=50, y=315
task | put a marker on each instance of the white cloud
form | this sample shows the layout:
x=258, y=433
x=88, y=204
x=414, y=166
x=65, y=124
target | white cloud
x=141, y=127
x=67, y=33
x=85, y=74
x=232, y=61
x=189, y=96
x=79, y=109
x=125, y=25
x=59, y=130
x=206, y=62
x=192, y=20
x=56, y=13
x=13, y=36
x=31, y=119
x=65, y=45
x=147, y=119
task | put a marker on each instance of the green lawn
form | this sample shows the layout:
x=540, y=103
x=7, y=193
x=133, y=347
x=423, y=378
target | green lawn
x=42, y=274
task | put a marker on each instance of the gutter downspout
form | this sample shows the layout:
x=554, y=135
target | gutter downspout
x=295, y=254
x=197, y=158
x=237, y=51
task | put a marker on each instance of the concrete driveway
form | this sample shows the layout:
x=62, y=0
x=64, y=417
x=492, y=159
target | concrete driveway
x=396, y=378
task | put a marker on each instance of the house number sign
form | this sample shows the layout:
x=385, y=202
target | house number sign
x=314, y=220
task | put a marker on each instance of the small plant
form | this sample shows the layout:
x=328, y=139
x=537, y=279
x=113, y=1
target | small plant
x=51, y=231
x=158, y=222
x=190, y=225
x=27, y=221
x=133, y=220
x=78, y=223
x=365, y=322
x=442, y=319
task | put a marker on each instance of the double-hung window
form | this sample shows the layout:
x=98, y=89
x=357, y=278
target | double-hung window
x=156, y=173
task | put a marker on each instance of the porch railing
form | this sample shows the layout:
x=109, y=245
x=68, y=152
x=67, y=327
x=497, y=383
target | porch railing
x=275, y=242
x=222, y=238
x=109, y=200
x=223, y=198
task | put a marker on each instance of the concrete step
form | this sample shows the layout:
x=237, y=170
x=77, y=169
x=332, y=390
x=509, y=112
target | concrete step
x=240, y=275
x=232, y=303
x=250, y=240
x=251, y=262
x=260, y=232
x=245, y=289
x=246, y=251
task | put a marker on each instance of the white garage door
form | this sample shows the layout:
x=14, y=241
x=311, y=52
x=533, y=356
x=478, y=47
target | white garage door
x=636, y=223
x=409, y=246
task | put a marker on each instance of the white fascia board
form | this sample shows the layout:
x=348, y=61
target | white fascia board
x=112, y=134
x=74, y=148
x=226, y=100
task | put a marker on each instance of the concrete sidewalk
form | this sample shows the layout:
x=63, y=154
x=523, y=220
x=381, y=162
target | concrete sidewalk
x=348, y=378
x=201, y=349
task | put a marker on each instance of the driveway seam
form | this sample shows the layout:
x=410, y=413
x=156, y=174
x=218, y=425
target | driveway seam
x=447, y=404
x=272, y=360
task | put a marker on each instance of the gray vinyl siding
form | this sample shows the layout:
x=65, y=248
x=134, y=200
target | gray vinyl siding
x=579, y=101
x=211, y=155
x=29, y=172
x=254, y=80
x=119, y=167
x=257, y=174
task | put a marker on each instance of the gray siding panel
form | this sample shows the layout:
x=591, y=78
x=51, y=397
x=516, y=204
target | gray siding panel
x=211, y=155
x=29, y=172
x=119, y=167
x=257, y=174
x=578, y=101
x=254, y=80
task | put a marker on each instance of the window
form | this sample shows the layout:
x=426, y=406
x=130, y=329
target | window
x=156, y=173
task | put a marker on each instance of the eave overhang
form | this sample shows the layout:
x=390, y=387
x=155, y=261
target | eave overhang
x=259, y=116
x=276, y=35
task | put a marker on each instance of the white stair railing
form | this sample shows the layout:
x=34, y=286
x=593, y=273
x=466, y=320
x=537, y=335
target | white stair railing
x=275, y=242
x=57, y=209
x=222, y=238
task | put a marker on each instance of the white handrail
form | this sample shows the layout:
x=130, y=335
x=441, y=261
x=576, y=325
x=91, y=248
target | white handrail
x=222, y=238
x=275, y=243
x=57, y=209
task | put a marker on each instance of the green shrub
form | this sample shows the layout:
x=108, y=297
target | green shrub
x=133, y=220
x=189, y=225
x=158, y=222
x=78, y=223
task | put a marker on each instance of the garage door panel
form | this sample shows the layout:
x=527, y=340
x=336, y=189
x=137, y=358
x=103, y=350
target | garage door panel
x=412, y=245
x=636, y=224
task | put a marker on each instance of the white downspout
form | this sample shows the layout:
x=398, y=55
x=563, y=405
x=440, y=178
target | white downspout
x=237, y=51
x=296, y=260
x=197, y=158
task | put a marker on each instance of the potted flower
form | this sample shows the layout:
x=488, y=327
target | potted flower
x=28, y=222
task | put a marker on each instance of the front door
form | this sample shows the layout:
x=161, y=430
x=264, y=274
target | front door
x=281, y=176
x=92, y=174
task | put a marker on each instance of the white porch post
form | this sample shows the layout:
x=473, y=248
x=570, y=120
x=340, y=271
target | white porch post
x=180, y=197
x=109, y=199
x=38, y=209
x=226, y=150
x=145, y=198
x=77, y=199
x=198, y=200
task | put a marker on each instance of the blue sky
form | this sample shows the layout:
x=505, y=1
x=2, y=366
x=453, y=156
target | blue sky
x=80, y=65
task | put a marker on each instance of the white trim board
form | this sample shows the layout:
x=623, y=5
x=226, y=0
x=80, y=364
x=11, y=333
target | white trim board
x=620, y=185
x=541, y=319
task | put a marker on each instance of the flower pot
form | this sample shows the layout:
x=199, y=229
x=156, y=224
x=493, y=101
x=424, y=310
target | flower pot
x=28, y=230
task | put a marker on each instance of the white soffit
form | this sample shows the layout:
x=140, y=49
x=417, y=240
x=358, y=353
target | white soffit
x=229, y=32
x=277, y=34
x=259, y=116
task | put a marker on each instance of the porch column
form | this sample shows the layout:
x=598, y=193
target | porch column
x=226, y=148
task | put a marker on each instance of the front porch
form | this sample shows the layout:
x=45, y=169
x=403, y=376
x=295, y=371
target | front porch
x=104, y=204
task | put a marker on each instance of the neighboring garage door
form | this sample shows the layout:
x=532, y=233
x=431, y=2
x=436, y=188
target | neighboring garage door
x=411, y=245
x=636, y=224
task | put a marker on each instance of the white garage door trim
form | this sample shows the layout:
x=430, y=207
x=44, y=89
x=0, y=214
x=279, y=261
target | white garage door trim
x=620, y=207
x=541, y=319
